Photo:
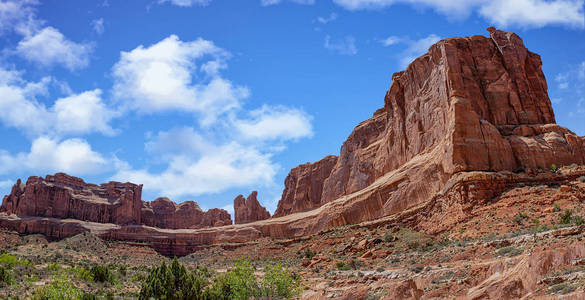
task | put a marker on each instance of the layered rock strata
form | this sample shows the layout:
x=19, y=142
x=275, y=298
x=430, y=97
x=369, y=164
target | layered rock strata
x=477, y=103
x=249, y=210
x=67, y=197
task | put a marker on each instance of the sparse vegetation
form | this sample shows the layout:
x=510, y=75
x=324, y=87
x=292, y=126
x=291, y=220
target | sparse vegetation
x=510, y=251
x=581, y=179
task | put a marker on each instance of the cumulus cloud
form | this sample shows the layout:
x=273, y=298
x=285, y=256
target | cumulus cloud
x=524, y=13
x=48, y=155
x=19, y=16
x=75, y=114
x=98, y=26
x=272, y=123
x=209, y=170
x=346, y=46
x=49, y=47
x=165, y=76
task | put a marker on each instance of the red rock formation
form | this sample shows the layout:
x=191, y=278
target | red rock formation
x=63, y=196
x=249, y=210
x=303, y=187
x=475, y=103
x=67, y=197
x=164, y=213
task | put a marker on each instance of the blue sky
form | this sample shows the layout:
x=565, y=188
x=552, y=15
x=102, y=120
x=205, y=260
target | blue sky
x=207, y=99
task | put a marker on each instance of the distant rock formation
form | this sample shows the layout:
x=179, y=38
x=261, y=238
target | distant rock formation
x=67, y=197
x=63, y=196
x=164, y=213
x=249, y=210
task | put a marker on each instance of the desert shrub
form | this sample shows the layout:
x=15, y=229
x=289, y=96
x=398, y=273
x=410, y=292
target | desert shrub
x=60, y=288
x=578, y=220
x=4, y=275
x=562, y=288
x=53, y=267
x=388, y=237
x=509, y=251
x=9, y=261
x=309, y=253
x=566, y=217
x=581, y=179
x=237, y=283
x=89, y=297
x=554, y=167
x=101, y=274
x=173, y=283
x=279, y=281
x=556, y=208
x=340, y=265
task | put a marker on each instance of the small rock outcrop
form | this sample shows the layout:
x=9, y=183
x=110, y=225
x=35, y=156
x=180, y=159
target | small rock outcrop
x=164, y=213
x=249, y=210
x=66, y=197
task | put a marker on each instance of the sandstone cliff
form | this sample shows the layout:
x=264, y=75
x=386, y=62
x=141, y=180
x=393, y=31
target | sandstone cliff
x=67, y=197
x=249, y=210
x=476, y=103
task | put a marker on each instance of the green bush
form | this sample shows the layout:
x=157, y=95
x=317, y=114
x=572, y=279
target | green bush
x=9, y=261
x=309, y=253
x=4, y=275
x=53, y=267
x=101, y=274
x=279, y=281
x=60, y=288
x=388, y=237
x=173, y=283
x=238, y=283
x=566, y=217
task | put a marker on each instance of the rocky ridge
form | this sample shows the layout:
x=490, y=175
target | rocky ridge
x=66, y=197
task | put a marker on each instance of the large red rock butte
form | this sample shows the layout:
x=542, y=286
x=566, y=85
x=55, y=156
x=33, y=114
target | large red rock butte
x=67, y=197
x=463, y=123
x=249, y=210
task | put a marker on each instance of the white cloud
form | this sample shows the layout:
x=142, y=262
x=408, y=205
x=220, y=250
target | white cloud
x=98, y=26
x=273, y=2
x=73, y=156
x=324, y=20
x=49, y=47
x=524, y=13
x=19, y=16
x=581, y=71
x=162, y=77
x=416, y=48
x=391, y=40
x=345, y=46
x=186, y=3
x=534, y=13
x=77, y=113
x=83, y=113
x=211, y=171
x=271, y=123
x=562, y=80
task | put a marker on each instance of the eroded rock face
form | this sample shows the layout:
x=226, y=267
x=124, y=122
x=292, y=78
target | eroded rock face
x=470, y=104
x=303, y=187
x=67, y=197
x=63, y=196
x=164, y=213
x=249, y=210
